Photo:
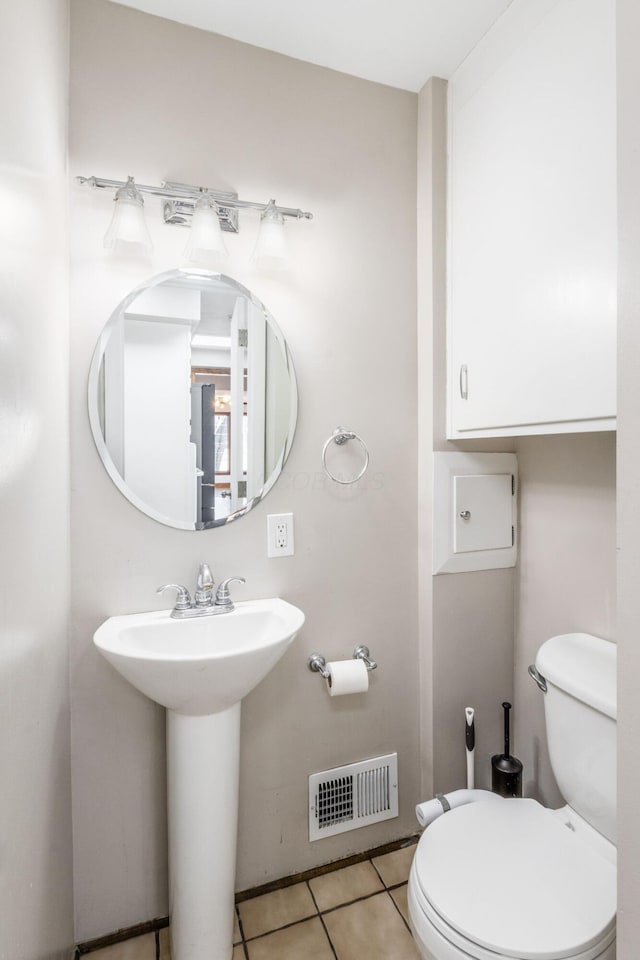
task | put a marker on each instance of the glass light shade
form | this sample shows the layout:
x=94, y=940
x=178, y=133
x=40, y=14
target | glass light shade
x=128, y=227
x=271, y=251
x=205, y=249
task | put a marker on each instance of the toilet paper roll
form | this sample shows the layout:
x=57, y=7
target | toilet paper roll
x=347, y=676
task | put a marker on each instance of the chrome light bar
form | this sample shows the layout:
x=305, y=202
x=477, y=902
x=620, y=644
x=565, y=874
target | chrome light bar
x=181, y=198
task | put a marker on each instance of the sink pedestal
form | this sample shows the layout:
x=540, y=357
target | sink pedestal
x=200, y=669
x=203, y=754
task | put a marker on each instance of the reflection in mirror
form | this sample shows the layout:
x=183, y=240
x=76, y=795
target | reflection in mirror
x=192, y=399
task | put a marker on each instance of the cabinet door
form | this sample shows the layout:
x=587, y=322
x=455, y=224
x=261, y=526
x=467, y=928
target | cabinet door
x=532, y=229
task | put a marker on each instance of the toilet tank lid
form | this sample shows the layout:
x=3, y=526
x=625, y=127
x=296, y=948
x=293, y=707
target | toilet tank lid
x=583, y=666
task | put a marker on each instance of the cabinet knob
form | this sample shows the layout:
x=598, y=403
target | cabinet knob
x=464, y=382
x=465, y=514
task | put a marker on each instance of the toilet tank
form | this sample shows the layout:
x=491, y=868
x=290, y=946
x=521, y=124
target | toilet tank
x=580, y=714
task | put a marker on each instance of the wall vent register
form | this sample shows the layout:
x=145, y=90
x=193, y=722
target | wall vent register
x=352, y=796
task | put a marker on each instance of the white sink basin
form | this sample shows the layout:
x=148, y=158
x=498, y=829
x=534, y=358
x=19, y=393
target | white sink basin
x=203, y=665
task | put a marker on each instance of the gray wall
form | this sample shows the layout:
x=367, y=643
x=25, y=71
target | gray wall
x=431, y=208
x=566, y=571
x=162, y=101
x=628, y=480
x=35, y=807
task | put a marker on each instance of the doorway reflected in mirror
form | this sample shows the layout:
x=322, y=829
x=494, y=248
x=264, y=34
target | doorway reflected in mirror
x=192, y=399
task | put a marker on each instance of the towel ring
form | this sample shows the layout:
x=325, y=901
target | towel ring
x=341, y=436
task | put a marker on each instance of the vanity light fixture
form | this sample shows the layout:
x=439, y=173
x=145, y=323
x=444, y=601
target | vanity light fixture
x=128, y=226
x=271, y=246
x=200, y=207
x=205, y=249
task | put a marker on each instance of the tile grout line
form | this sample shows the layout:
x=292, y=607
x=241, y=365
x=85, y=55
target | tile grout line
x=351, y=903
x=321, y=918
x=285, y=926
x=394, y=886
x=402, y=916
x=338, y=906
x=243, y=942
x=240, y=923
x=320, y=913
x=379, y=874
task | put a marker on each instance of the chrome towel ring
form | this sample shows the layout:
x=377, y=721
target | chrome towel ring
x=340, y=436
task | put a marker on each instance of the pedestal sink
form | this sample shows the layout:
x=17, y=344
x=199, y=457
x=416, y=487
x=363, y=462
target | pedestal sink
x=200, y=669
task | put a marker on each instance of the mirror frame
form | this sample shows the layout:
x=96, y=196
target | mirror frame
x=94, y=415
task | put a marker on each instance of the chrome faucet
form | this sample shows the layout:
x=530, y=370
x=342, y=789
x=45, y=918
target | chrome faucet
x=204, y=603
x=203, y=596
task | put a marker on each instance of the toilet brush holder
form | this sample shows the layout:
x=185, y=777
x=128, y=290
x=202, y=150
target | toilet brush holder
x=506, y=771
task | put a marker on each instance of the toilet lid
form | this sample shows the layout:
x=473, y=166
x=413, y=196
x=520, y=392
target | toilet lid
x=513, y=878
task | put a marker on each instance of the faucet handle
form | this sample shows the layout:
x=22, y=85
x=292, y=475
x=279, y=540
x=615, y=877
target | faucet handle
x=183, y=599
x=223, y=597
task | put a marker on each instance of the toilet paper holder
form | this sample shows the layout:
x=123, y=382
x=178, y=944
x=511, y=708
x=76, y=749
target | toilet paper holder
x=318, y=664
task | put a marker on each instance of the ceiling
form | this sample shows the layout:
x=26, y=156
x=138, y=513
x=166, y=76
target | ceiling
x=397, y=42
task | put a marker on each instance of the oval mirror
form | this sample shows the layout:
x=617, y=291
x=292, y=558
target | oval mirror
x=192, y=399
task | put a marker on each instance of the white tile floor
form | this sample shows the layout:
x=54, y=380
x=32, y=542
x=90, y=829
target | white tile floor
x=357, y=912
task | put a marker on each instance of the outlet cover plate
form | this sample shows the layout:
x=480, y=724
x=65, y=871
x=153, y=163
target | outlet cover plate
x=280, y=536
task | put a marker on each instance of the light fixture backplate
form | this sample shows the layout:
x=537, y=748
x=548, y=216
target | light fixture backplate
x=179, y=211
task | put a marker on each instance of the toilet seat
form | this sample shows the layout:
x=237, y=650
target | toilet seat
x=510, y=880
x=436, y=940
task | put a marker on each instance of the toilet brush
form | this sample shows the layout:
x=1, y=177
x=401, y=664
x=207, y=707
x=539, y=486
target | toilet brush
x=506, y=771
x=470, y=742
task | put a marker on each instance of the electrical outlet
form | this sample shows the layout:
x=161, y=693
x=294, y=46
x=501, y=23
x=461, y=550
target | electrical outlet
x=280, y=535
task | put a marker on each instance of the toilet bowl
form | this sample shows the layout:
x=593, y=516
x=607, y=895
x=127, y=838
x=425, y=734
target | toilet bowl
x=513, y=880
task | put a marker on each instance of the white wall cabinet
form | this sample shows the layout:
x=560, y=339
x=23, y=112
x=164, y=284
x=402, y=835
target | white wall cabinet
x=532, y=224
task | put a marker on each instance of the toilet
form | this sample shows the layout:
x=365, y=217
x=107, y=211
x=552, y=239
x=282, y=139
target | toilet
x=511, y=879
